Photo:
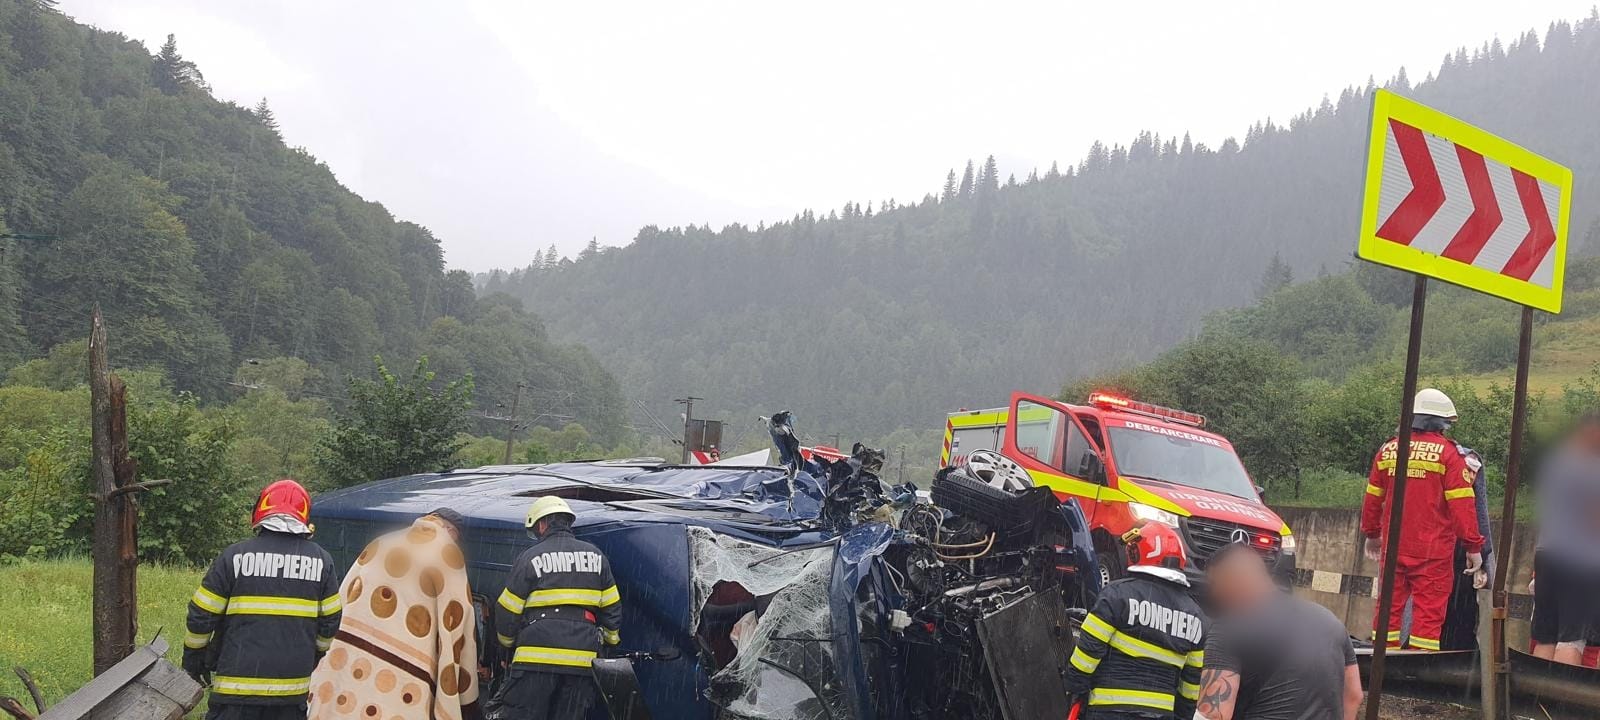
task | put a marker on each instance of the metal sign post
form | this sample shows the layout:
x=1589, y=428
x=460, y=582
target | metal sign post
x=1447, y=200
x=1397, y=495
x=1499, y=682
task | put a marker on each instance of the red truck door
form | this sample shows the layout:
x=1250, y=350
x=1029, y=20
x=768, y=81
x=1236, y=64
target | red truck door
x=1047, y=440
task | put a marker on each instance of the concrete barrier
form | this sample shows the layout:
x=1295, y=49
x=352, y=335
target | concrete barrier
x=1332, y=570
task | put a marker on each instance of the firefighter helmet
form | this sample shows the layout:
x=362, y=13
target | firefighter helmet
x=1431, y=401
x=545, y=507
x=284, y=497
x=1155, y=545
x=998, y=471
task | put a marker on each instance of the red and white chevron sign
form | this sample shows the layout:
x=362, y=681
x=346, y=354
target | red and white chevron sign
x=1448, y=200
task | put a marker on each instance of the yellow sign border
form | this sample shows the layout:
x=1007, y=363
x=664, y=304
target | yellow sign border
x=1387, y=105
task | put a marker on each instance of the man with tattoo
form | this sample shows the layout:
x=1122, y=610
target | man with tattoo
x=1143, y=644
x=1271, y=656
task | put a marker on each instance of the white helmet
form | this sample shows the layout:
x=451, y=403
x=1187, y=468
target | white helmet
x=1430, y=401
x=998, y=471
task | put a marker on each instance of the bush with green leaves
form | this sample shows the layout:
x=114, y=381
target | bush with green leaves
x=45, y=473
x=396, y=426
x=44, y=457
x=205, y=508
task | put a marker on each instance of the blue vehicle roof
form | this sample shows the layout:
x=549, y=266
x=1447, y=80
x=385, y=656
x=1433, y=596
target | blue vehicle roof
x=749, y=502
x=636, y=512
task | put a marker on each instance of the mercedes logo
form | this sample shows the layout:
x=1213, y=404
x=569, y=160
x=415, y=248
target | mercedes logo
x=1240, y=535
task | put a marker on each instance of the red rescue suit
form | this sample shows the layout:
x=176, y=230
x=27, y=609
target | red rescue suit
x=1440, y=510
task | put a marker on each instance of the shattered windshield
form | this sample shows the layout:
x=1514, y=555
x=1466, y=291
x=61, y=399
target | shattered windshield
x=1180, y=458
x=764, y=616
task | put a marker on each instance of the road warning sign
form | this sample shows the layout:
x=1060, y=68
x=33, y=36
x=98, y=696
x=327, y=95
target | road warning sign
x=1450, y=201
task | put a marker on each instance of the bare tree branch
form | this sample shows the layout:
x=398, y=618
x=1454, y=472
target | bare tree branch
x=33, y=688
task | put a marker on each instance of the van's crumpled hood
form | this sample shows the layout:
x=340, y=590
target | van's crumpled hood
x=1205, y=503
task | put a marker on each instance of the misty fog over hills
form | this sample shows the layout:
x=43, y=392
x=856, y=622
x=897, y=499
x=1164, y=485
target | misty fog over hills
x=889, y=313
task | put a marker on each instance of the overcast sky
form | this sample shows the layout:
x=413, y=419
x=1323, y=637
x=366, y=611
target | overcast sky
x=508, y=126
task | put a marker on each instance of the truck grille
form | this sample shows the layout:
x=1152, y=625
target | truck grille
x=1206, y=536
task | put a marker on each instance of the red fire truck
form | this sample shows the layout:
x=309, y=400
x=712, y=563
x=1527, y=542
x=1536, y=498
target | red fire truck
x=1128, y=462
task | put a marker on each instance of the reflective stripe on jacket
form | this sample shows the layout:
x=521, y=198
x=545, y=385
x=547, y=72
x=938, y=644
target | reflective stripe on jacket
x=1441, y=503
x=266, y=609
x=1140, y=651
x=560, y=604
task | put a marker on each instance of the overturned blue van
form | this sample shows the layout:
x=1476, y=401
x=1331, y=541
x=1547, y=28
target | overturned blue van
x=753, y=608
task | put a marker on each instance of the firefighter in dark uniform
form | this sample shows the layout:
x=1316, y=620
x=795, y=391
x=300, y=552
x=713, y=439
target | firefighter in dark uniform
x=1143, y=645
x=559, y=607
x=264, y=613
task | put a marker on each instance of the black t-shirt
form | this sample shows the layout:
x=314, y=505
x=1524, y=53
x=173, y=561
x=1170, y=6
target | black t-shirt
x=1291, y=656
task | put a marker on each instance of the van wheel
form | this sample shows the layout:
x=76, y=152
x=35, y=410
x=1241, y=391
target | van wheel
x=972, y=498
x=1111, y=567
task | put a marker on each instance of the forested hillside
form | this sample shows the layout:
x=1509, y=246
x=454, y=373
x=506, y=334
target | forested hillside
x=207, y=241
x=1306, y=382
x=889, y=313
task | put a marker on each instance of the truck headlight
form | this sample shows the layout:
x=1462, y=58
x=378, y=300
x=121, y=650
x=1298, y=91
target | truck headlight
x=1151, y=513
x=1289, y=544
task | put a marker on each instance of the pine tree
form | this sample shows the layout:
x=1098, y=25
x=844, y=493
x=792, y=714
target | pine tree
x=1011, y=180
x=1277, y=276
x=590, y=250
x=1033, y=176
x=967, y=183
x=265, y=116
x=949, y=187
x=173, y=74
x=991, y=176
x=1188, y=147
x=1400, y=83
x=1054, y=171
x=1097, y=159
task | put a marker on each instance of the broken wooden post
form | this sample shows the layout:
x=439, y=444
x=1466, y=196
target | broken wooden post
x=115, y=543
x=143, y=686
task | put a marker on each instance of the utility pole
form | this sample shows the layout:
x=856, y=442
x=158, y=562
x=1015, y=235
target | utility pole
x=902, y=480
x=835, y=437
x=511, y=426
x=688, y=416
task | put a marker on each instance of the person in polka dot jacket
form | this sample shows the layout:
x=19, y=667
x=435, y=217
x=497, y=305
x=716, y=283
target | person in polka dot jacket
x=406, y=648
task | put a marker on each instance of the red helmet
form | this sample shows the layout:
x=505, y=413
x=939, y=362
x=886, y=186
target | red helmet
x=1155, y=545
x=283, y=497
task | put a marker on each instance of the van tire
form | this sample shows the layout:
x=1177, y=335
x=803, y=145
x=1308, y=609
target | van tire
x=967, y=496
x=1111, y=567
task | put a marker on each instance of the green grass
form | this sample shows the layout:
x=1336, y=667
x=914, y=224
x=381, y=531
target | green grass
x=1563, y=352
x=46, y=620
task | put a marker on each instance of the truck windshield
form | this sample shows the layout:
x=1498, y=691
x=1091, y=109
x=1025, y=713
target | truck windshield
x=1193, y=463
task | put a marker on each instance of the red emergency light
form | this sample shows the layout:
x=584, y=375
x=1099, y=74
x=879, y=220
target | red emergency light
x=1117, y=402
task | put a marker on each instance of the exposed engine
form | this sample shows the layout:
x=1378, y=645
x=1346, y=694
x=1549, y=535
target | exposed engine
x=982, y=578
x=977, y=551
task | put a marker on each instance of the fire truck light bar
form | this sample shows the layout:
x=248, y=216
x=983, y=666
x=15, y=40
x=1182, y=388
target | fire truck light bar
x=1117, y=402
